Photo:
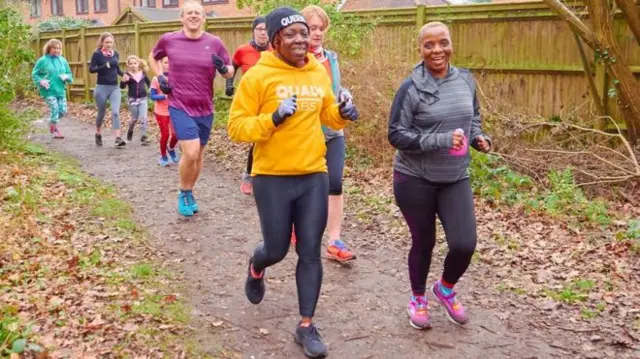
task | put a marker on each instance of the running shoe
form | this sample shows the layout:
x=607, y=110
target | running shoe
x=130, y=135
x=418, y=311
x=98, y=140
x=311, y=342
x=120, y=142
x=163, y=161
x=192, y=202
x=184, y=207
x=338, y=250
x=144, y=140
x=254, y=287
x=455, y=311
x=174, y=156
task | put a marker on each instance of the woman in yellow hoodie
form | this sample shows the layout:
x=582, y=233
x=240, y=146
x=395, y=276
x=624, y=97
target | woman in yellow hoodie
x=280, y=105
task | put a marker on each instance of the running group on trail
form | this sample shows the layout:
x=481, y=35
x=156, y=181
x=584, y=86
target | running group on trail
x=291, y=107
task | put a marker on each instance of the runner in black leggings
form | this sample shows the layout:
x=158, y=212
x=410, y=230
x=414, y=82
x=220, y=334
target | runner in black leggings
x=434, y=113
x=280, y=105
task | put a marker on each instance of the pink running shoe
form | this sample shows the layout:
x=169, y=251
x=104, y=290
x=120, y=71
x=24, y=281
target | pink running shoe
x=455, y=310
x=418, y=313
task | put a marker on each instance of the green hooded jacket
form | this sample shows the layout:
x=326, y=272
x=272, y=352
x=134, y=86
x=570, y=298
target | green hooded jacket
x=50, y=68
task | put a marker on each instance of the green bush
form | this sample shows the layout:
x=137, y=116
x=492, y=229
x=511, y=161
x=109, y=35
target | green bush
x=18, y=57
x=11, y=127
x=62, y=22
x=495, y=182
x=346, y=32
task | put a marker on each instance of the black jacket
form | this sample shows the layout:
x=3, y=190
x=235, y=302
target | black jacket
x=106, y=75
x=136, y=89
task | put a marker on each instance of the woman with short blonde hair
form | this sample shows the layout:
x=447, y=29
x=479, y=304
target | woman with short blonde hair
x=51, y=75
x=319, y=23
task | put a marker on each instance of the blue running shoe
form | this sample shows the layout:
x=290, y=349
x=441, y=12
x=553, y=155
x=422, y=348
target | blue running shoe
x=192, y=202
x=174, y=156
x=184, y=206
x=163, y=161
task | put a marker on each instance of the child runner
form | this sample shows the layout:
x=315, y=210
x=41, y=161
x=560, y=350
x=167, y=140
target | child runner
x=245, y=57
x=279, y=107
x=319, y=24
x=105, y=62
x=434, y=115
x=137, y=83
x=161, y=112
x=51, y=75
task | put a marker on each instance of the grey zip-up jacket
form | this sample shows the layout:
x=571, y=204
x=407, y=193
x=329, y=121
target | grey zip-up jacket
x=425, y=113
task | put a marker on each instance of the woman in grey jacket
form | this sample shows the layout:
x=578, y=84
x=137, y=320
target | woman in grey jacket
x=434, y=118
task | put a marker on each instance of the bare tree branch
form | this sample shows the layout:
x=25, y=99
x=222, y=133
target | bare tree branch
x=574, y=22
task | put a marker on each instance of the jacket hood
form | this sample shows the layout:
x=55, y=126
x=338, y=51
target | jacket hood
x=425, y=82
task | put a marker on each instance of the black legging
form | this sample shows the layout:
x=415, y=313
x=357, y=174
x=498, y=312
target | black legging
x=420, y=201
x=284, y=201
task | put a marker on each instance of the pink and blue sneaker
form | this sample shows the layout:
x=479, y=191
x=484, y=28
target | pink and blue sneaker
x=418, y=311
x=447, y=297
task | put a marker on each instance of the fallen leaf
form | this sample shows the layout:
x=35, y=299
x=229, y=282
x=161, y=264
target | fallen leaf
x=263, y=331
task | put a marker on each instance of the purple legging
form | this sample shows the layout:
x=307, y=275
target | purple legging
x=420, y=201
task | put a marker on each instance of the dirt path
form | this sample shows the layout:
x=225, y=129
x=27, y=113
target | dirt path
x=361, y=312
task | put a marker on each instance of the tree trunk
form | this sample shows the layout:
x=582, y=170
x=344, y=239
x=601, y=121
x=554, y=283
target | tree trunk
x=624, y=81
x=630, y=12
x=574, y=22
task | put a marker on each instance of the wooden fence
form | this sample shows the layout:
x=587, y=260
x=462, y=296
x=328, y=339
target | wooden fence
x=522, y=54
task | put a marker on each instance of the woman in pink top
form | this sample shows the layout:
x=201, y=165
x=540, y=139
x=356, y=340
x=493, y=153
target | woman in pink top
x=161, y=111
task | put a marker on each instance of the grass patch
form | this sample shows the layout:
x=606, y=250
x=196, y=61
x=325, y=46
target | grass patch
x=573, y=292
x=222, y=106
x=142, y=271
x=111, y=208
x=63, y=244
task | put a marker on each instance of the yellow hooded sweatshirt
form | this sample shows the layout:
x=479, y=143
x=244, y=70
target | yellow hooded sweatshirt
x=297, y=146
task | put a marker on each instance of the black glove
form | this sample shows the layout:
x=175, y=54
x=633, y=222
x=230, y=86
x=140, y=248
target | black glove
x=164, y=84
x=348, y=111
x=286, y=109
x=229, y=91
x=218, y=63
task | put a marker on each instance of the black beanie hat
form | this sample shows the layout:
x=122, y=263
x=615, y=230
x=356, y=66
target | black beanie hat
x=257, y=21
x=280, y=18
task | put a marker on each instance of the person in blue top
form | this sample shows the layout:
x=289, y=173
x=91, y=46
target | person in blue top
x=51, y=74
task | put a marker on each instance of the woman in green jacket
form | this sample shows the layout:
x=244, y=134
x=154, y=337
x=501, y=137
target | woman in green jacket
x=51, y=75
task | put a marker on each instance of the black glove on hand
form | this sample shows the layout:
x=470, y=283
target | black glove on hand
x=286, y=109
x=218, y=63
x=348, y=111
x=164, y=84
x=229, y=91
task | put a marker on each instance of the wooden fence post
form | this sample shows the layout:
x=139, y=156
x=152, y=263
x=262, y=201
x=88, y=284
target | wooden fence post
x=85, y=65
x=63, y=50
x=136, y=40
x=420, y=16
